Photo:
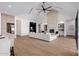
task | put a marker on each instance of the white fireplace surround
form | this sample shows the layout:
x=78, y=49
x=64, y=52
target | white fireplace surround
x=43, y=36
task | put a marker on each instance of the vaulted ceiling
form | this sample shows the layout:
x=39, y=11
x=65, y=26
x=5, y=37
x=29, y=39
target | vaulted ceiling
x=20, y=8
x=16, y=8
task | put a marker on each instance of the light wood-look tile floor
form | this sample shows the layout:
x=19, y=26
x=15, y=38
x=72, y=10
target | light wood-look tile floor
x=62, y=46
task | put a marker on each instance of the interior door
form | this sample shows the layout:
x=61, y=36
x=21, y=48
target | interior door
x=18, y=27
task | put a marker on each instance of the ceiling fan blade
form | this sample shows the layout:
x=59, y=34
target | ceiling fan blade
x=30, y=10
x=48, y=7
x=44, y=11
x=42, y=7
x=43, y=3
x=39, y=9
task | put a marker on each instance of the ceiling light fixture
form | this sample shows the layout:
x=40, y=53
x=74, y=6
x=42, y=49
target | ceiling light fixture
x=61, y=22
x=9, y=6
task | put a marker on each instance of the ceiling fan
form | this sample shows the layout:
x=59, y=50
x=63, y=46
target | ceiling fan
x=44, y=8
x=30, y=11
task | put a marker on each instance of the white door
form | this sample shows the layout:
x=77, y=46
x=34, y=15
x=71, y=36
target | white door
x=18, y=27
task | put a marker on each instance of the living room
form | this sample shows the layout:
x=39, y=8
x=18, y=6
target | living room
x=39, y=24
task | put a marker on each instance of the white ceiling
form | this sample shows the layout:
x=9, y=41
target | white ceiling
x=20, y=8
x=17, y=7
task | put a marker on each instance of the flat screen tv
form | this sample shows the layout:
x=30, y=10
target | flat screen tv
x=32, y=27
x=51, y=31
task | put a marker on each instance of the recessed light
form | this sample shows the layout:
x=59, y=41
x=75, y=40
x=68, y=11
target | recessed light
x=9, y=6
x=61, y=22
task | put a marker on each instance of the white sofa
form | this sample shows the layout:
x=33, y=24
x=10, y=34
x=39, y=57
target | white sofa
x=4, y=47
x=43, y=36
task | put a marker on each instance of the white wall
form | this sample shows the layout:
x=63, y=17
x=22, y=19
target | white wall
x=69, y=23
x=18, y=27
x=23, y=26
x=70, y=27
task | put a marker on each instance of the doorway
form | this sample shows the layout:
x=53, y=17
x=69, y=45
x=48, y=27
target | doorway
x=18, y=27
